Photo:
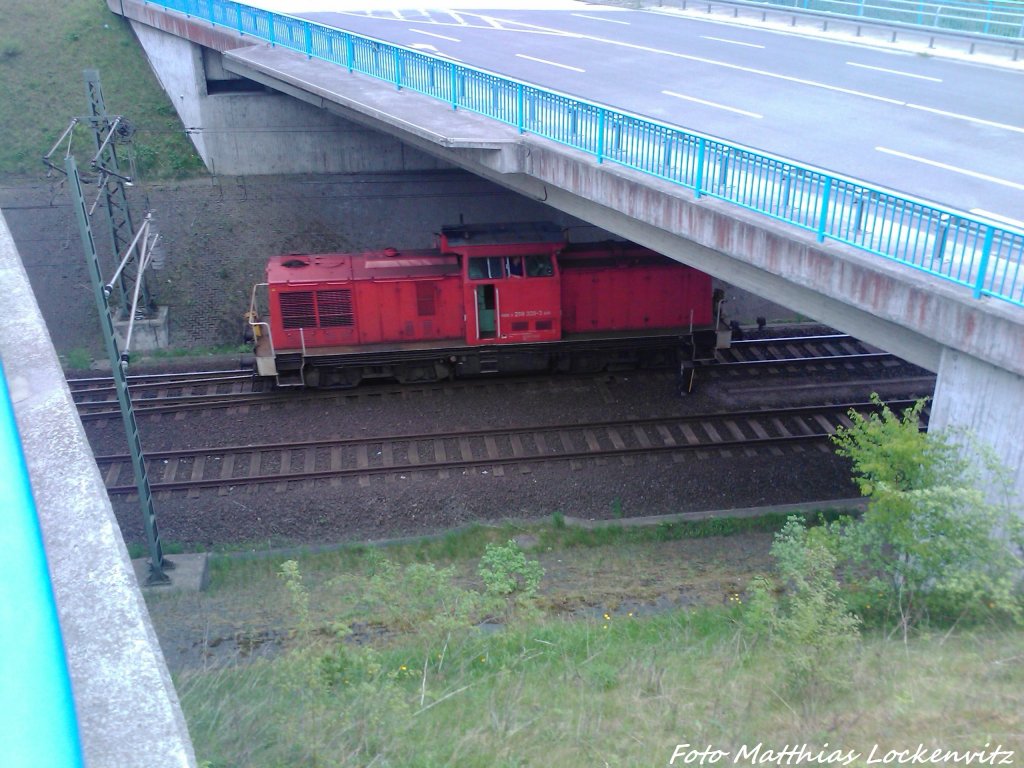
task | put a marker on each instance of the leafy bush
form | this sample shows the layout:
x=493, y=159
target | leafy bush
x=810, y=623
x=419, y=597
x=932, y=540
x=507, y=573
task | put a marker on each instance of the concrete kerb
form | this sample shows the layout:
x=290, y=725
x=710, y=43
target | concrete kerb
x=189, y=573
x=866, y=32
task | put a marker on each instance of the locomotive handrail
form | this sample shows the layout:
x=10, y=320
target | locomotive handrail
x=254, y=323
x=971, y=251
x=40, y=725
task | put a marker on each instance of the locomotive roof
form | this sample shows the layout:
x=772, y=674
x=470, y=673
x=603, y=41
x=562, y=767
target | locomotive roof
x=502, y=234
x=388, y=264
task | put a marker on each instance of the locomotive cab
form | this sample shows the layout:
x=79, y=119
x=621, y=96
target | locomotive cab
x=511, y=282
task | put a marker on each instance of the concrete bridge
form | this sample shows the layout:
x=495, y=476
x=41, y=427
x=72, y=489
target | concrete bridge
x=123, y=694
x=975, y=346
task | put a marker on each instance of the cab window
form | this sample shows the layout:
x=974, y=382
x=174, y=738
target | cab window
x=539, y=265
x=514, y=266
x=487, y=268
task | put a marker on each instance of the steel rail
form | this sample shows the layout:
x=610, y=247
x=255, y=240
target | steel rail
x=103, y=409
x=150, y=380
x=594, y=450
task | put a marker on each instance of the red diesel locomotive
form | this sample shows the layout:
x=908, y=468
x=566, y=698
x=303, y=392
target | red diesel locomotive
x=490, y=298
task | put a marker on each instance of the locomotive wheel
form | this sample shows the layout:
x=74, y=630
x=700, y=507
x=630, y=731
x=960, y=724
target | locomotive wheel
x=334, y=378
x=421, y=373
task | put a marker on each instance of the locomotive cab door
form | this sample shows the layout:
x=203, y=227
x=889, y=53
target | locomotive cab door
x=487, y=311
x=484, y=275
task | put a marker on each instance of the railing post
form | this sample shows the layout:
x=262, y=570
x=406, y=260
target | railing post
x=986, y=252
x=600, y=136
x=238, y=17
x=723, y=172
x=270, y=30
x=398, y=69
x=520, y=117
x=309, y=40
x=698, y=184
x=941, y=236
x=455, y=87
x=350, y=53
x=823, y=218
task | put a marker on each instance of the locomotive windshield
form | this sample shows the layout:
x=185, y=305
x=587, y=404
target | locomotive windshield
x=497, y=268
x=539, y=265
x=485, y=268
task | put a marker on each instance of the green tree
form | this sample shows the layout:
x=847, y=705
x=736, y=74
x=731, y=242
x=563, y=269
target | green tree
x=940, y=530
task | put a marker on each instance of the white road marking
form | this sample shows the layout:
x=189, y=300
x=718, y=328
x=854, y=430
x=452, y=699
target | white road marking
x=599, y=18
x=895, y=72
x=731, y=42
x=434, y=34
x=952, y=168
x=713, y=104
x=785, y=78
x=997, y=217
x=968, y=118
x=551, y=63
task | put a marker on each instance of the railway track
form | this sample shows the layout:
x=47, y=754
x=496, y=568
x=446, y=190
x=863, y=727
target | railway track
x=484, y=450
x=96, y=398
x=170, y=393
x=800, y=353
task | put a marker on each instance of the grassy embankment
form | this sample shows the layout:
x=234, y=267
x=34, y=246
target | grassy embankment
x=44, y=46
x=579, y=675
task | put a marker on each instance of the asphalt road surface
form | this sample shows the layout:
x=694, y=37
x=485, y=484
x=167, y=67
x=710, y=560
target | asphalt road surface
x=939, y=129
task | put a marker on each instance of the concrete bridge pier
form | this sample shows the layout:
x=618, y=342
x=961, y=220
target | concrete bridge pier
x=241, y=128
x=986, y=401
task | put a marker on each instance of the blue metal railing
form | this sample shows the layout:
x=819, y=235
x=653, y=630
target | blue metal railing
x=998, y=18
x=972, y=252
x=39, y=727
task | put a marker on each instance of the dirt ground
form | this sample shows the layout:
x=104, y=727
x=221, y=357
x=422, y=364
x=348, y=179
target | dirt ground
x=243, y=622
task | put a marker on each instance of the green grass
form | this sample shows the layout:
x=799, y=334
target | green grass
x=622, y=692
x=584, y=677
x=44, y=46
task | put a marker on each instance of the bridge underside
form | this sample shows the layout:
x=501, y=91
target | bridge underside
x=977, y=347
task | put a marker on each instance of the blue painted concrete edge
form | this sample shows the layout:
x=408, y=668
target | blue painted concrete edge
x=38, y=725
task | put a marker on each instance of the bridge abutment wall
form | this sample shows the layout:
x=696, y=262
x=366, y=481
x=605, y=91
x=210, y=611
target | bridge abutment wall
x=244, y=131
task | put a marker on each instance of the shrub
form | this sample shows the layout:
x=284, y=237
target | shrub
x=810, y=624
x=507, y=573
x=932, y=540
